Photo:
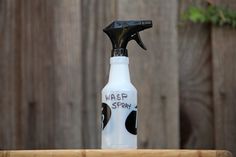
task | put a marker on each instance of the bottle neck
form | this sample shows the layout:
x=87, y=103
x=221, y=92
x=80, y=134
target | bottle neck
x=119, y=70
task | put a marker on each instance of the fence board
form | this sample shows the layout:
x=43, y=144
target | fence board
x=67, y=55
x=8, y=73
x=36, y=105
x=224, y=71
x=155, y=72
x=224, y=56
x=96, y=52
x=195, y=78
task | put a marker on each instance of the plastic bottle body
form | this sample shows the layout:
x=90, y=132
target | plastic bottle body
x=119, y=108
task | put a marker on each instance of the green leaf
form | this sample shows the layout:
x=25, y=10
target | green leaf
x=215, y=15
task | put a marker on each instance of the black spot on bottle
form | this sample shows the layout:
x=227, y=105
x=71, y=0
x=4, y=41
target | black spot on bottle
x=130, y=123
x=106, y=114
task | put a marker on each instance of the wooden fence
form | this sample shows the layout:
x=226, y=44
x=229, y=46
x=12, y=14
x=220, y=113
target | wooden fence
x=54, y=61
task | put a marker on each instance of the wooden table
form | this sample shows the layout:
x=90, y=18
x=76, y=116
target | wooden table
x=115, y=153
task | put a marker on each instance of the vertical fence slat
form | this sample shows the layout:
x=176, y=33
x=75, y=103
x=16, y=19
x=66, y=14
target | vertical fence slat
x=36, y=122
x=67, y=58
x=195, y=78
x=224, y=66
x=8, y=75
x=155, y=72
x=95, y=53
x=224, y=72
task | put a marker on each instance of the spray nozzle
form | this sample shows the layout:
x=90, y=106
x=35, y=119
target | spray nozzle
x=121, y=32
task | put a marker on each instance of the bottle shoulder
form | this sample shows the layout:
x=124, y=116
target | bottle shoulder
x=121, y=86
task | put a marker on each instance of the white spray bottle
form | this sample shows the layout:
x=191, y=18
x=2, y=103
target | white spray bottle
x=119, y=96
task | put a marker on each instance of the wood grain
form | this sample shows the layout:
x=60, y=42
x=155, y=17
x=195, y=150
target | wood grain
x=195, y=82
x=224, y=71
x=224, y=56
x=9, y=65
x=42, y=77
x=115, y=153
x=67, y=55
x=155, y=72
x=51, y=79
x=95, y=62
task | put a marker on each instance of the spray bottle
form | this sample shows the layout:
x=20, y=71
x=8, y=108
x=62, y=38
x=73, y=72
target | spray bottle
x=119, y=96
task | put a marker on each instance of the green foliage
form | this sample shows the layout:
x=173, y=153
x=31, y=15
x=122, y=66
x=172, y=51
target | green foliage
x=212, y=14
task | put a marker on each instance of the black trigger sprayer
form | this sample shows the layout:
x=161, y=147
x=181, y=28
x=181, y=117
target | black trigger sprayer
x=119, y=96
x=121, y=32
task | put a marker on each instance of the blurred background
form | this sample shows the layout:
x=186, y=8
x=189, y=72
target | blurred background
x=54, y=61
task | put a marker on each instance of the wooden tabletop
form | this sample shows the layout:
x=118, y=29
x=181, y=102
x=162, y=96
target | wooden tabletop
x=115, y=153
